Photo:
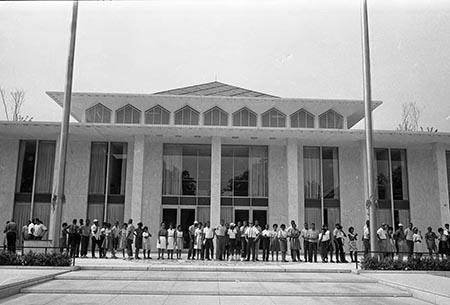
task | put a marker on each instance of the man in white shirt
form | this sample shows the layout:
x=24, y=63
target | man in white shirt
x=251, y=234
x=382, y=239
x=324, y=242
x=304, y=236
x=39, y=229
x=209, y=236
x=313, y=237
x=220, y=231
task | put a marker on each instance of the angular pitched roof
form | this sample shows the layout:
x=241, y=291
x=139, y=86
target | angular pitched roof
x=215, y=89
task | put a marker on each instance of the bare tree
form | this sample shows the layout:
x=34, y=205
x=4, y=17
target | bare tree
x=410, y=117
x=12, y=105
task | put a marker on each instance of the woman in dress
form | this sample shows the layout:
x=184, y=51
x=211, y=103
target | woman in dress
x=198, y=242
x=179, y=241
x=162, y=241
x=294, y=241
x=417, y=240
x=352, y=248
x=274, y=242
x=282, y=237
x=107, y=242
x=265, y=239
x=146, y=242
x=170, y=241
x=123, y=239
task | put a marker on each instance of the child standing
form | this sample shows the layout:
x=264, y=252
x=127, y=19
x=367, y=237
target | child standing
x=274, y=242
x=179, y=241
x=146, y=242
x=352, y=237
x=162, y=241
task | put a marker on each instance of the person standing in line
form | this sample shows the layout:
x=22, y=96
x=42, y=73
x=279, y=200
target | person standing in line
x=107, y=241
x=103, y=241
x=409, y=233
x=238, y=240
x=442, y=243
x=146, y=243
x=265, y=238
x=78, y=239
x=430, y=238
x=63, y=239
x=115, y=233
x=202, y=238
x=85, y=233
x=95, y=237
x=251, y=234
x=191, y=231
x=73, y=231
x=313, y=238
x=220, y=232
x=400, y=241
x=39, y=229
x=382, y=240
x=352, y=247
x=130, y=238
x=274, y=242
x=209, y=236
x=31, y=229
x=282, y=237
x=11, y=231
x=257, y=240
x=138, y=240
x=24, y=231
x=366, y=238
x=232, y=233
x=324, y=243
x=123, y=239
x=242, y=230
x=198, y=243
x=170, y=241
x=179, y=241
x=418, y=245
x=162, y=241
x=339, y=236
x=390, y=242
x=294, y=242
x=304, y=236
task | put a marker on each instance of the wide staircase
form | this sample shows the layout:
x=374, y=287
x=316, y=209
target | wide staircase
x=211, y=284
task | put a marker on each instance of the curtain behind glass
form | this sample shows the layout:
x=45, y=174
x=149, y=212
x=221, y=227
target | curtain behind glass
x=311, y=157
x=45, y=167
x=115, y=213
x=330, y=173
x=172, y=169
x=313, y=215
x=258, y=171
x=20, y=167
x=97, y=176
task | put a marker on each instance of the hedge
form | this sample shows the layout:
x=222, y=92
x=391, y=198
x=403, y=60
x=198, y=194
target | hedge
x=35, y=259
x=416, y=263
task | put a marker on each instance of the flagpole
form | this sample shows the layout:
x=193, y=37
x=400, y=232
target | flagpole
x=60, y=171
x=368, y=124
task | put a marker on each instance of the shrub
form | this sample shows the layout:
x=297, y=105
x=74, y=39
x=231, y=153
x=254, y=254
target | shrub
x=35, y=259
x=415, y=263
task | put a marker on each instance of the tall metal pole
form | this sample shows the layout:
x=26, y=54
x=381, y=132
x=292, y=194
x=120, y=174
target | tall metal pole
x=59, y=198
x=368, y=124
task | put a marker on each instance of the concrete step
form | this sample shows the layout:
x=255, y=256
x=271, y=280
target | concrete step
x=139, y=299
x=205, y=288
x=221, y=276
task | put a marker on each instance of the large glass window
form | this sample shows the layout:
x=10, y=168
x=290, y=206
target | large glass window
x=34, y=181
x=98, y=114
x=302, y=119
x=244, y=179
x=215, y=117
x=244, y=117
x=107, y=178
x=128, y=115
x=392, y=186
x=157, y=115
x=273, y=118
x=186, y=174
x=321, y=185
x=331, y=119
x=186, y=116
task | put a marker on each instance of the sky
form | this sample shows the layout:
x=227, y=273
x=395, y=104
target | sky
x=301, y=49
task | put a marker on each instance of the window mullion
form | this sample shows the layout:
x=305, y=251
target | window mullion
x=391, y=187
x=33, y=187
x=108, y=155
x=321, y=185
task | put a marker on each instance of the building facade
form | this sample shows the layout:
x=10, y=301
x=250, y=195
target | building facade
x=214, y=151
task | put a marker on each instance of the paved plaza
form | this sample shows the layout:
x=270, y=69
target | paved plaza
x=107, y=281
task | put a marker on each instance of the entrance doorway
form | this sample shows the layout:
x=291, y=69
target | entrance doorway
x=250, y=215
x=170, y=216
x=241, y=215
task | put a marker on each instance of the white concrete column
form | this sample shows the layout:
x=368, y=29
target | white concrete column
x=216, y=162
x=292, y=179
x=137, y=178
x=439, y=158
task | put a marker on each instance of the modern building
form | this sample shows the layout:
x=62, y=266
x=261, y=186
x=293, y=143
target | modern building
x=214, y=151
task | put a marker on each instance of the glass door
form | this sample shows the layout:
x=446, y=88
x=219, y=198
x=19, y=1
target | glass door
x=187, y=218
x=241, y=215
x=170, y=216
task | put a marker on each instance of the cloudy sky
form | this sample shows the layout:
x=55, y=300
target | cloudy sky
x=301, y=48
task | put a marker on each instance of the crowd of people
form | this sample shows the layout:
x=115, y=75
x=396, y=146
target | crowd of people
x=242, y=241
